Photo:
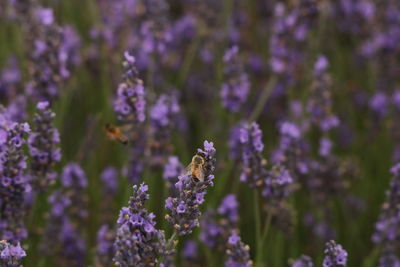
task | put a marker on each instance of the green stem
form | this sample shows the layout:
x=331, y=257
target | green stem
x=258, y=228
x=265, y=232
x=262, y=100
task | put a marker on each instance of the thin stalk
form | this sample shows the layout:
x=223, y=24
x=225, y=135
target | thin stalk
x=265, y=232
x=258, y=228
x=262, y=100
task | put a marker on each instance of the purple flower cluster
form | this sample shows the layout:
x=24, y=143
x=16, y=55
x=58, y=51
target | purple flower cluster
x=43, y=147
x=236, y=85
x=320, y=102
x=277, y=184
x=53, y=54
x=217, y=227
x=238, y=253
x=68, y=211
x=130, y=102
x=11, y=255
x=289, y=35
x=138, y=242
x=387, y=229
x=253, y=164
x=105, y=246
x=14, y=183
x=184, y=209
x=163, y=118
x=335, y=255
x=303, y=261
x=172, y=170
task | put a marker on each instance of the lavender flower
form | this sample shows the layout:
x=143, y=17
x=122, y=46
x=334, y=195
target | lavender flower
x=52, y=55
x=130, y=102
x=105, y=246
x=14, y=183
x=190, y=250
x=68, y=210
x=303, y=261
x=110, y=182
x=172, y=170
x=277, y=185
x=163, y=118
x=43, y=147
x=320, y=102
x=138, y=242
x=236, y=84
x=288, y=39
x=10, y=255
x=387, y=230
x=217, y=227
x=335, y=255
x=238, y=253
x=253, y=164
x=10, y=79
x=184, y=209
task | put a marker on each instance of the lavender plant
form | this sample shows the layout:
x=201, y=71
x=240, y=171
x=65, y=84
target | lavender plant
x=138, y=242
x=43, y=148
x=14, y=181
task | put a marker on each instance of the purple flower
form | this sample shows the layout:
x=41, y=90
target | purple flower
x=53, y=54
x=11, y=255
x=138, y=242
x=43, y=147
x=277, y=184
x=109, y=177
x=190, y=250
x=130, y=101
x=14, y=183
x=303, y=261
x=236, y=85
x=163, y=118
x=229, y=208
x=105, y=246
x=335, y=255
x=238, y=253
x=387, y=229
x=253, y=164
x=184, y=209
x=73, y=176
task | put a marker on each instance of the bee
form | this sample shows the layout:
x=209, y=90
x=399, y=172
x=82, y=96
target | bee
x=115, y=133
x=196, y=168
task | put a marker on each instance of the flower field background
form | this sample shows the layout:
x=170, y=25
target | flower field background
x=199, y=133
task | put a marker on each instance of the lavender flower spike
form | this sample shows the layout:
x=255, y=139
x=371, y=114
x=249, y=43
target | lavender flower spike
x=10, y=256
x=138, y=242
x=184, y=209
x=236, y=86
x=303, y=261
x=13, y=181
x=387, y=231
x=43, y=147
x=335, y=255
x=130, y=102
x=253, y=164
x=238, y=253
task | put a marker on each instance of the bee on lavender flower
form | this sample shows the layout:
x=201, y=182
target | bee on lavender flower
x=196, y=168
x=116, y=133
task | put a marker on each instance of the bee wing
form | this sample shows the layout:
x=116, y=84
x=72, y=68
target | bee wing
x=188, y=170
x=201, y=175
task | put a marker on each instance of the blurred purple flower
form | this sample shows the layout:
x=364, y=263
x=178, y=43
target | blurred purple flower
x=236, y=85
